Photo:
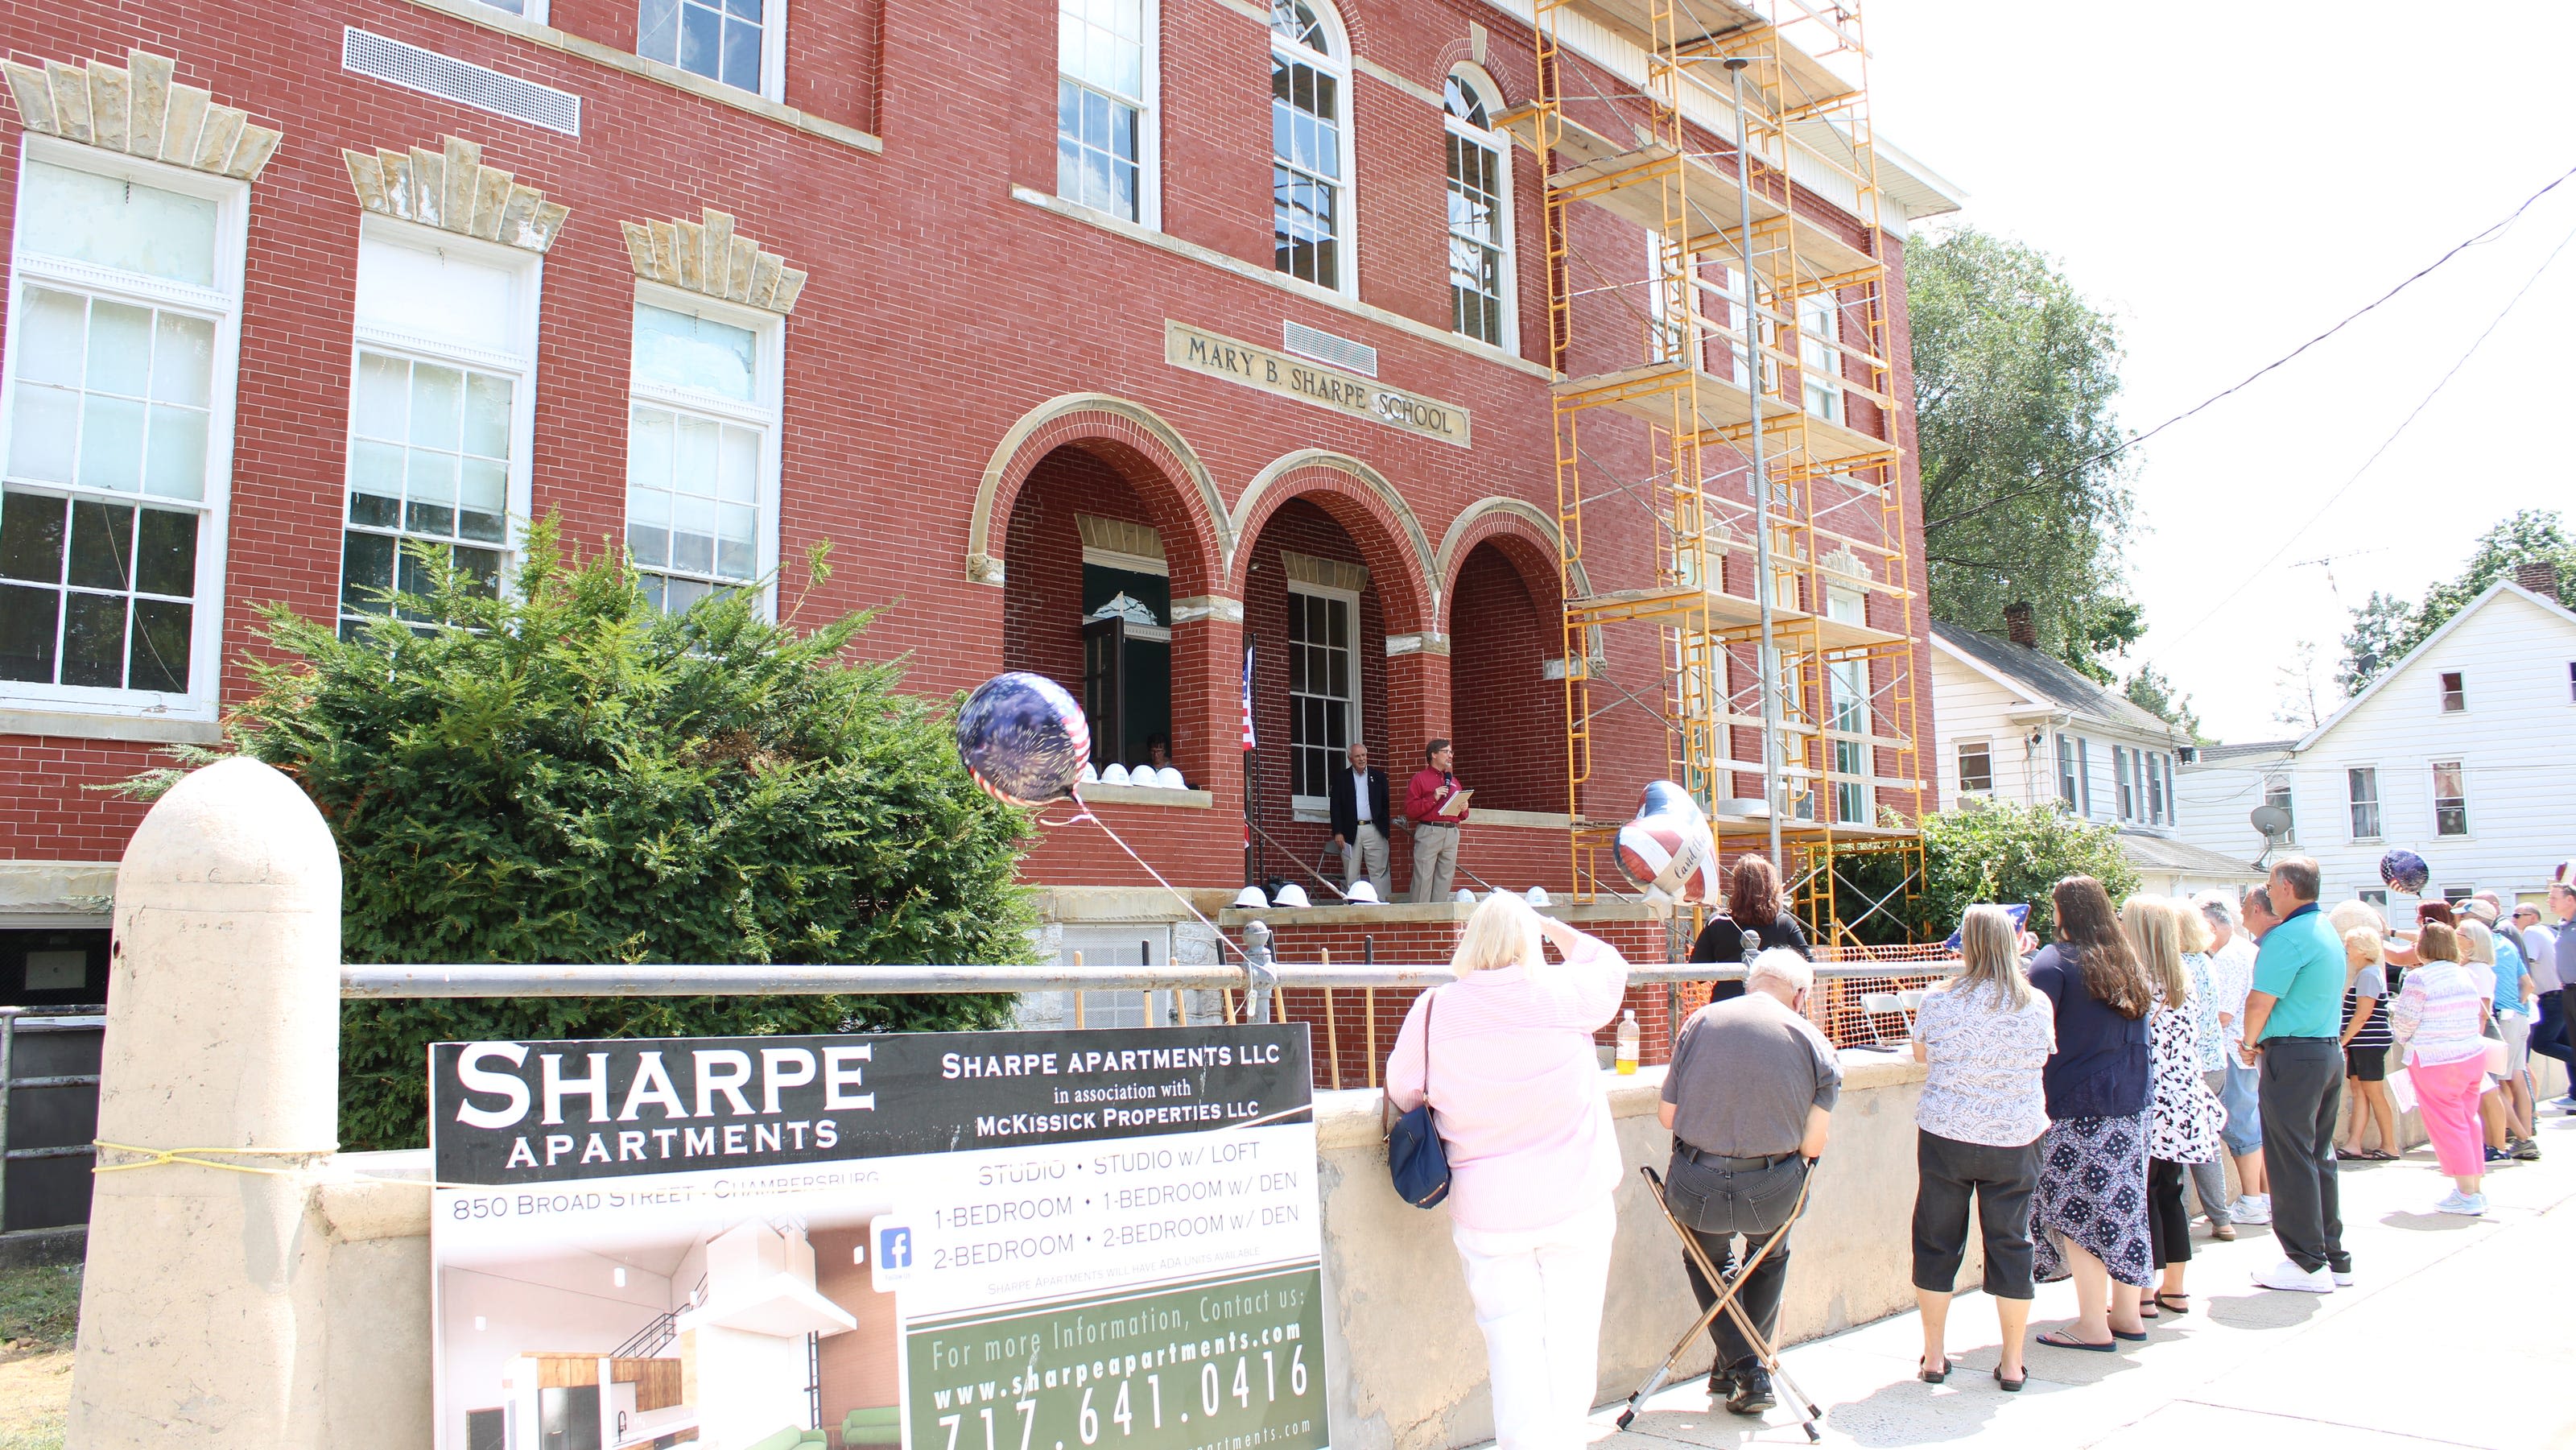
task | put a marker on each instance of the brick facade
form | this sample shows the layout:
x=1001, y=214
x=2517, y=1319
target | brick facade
x=968, y=365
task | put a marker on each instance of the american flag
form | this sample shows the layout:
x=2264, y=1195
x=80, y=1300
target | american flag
x=1247, y=697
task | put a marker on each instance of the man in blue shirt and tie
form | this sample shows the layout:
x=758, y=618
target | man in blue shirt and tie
x=2292, y=1020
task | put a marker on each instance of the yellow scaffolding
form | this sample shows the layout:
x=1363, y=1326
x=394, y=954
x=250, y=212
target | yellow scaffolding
x=1736, y=135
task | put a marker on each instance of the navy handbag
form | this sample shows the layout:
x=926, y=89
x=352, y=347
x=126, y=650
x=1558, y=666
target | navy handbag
x=1415, y=1157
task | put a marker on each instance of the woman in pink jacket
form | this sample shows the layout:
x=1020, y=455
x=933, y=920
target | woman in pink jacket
x=1505, y=1057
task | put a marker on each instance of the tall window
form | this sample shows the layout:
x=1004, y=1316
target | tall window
x=1102, y=100
x=2450, y=799
x=738, y=42
x=1479, y=195
x=1310, y=211
x=2084, y=775
x=701, y=451
x=2121, y=756
x=439, y=411
x=1323, y=687
x=2361, y=786
x=2455, y=692
x=1976, y=767
x=124, y=311
x=2276, y=792
x=2067, y=781
x=1819, y=358
x=1848, y=683
x=2158, y=793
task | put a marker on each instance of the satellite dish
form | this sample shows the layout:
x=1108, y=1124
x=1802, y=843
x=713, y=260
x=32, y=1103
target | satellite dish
x=2272, y=821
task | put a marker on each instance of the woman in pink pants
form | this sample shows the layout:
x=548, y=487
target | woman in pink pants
x=2436, y=1025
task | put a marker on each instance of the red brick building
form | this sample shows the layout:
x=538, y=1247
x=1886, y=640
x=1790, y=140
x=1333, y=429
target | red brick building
x=981, y=297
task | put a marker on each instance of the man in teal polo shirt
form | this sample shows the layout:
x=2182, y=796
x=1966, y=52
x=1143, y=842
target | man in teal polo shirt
x=2293, y=1016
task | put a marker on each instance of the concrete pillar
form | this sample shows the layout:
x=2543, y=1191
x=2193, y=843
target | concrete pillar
x=201, y=1312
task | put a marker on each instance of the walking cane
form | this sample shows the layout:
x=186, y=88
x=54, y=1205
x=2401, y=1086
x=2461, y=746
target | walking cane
x=1725, y=1303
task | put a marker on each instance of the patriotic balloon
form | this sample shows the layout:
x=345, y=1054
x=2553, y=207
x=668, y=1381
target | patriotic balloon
x=1023, y=739
x=1668, y=849
x=2405, y=871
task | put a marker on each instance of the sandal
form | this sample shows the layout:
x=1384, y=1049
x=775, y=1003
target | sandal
x=2060, y=1339
x=2138, y=1338
x=2167, y=1304
x=2375, y=1155
x=2147, y=1311
x=2011, y=1387
x=1932, y=1376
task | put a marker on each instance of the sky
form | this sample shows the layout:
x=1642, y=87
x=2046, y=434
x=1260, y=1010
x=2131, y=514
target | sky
x=2227, y=182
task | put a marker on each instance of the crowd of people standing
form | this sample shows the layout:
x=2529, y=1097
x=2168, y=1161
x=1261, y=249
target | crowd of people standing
x=2075, y=1093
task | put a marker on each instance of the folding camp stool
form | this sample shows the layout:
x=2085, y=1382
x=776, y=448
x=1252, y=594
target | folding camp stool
x=1725, y=1303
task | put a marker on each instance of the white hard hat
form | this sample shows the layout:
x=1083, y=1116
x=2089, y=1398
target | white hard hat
x=1251, y=899
x=1293, y=897
x=1114, y=775
x=1169, y=777
x=1362, y=893
x=1536, y=896
x=1466, y=896
x=1090, y=773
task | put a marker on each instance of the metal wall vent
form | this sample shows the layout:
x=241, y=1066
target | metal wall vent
x=1323, y=347
x=368, y=54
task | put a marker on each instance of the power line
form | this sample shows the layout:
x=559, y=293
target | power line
x=2489, y=234
x=2403, y=424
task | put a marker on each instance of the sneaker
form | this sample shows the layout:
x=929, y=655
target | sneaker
x=2525, y=1151
x=2223, y=1232
x=2255, y=1208
x=2495, y=1156
x=1752, y=1391
x=2466, y=1205
x=2287, y=1275
x=2342, y=1277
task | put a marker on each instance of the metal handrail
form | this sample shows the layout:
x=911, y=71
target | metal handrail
x=483, y=979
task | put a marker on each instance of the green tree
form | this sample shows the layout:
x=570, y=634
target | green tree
x=2150, y=691
x=2016, y=378
x=2008, y=853
x=2384, y=628
x=565, y=774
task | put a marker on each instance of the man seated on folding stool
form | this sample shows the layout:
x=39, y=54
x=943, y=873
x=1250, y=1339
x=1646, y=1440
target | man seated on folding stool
x=1749, y=1097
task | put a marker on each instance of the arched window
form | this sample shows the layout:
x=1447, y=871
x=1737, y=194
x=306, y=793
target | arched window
x=1104, y=133
x=1479, y=214
x=1309, y=144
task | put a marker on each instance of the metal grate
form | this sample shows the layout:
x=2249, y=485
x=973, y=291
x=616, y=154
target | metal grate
x=1323, y=347
x=391, y=61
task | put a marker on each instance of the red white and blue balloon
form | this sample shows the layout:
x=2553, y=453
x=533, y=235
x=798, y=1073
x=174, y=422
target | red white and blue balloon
x=1023, y=739
x=2405, y=871
x=1668, y=849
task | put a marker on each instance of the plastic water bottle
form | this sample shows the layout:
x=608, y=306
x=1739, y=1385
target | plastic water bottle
x=1628, y=1035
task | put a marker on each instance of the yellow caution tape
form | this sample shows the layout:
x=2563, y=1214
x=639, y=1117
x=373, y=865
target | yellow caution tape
x=155, y=1157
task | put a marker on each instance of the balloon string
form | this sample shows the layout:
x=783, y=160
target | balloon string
x=1084, y=814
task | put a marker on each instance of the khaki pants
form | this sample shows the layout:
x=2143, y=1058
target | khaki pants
x=1435, y=861
x=1367, y=856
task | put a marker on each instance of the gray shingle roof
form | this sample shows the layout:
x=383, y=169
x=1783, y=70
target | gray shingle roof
x=2049, y=678
x=2161, y=853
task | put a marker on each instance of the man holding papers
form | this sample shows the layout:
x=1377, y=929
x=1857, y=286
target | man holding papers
x=1438, y=807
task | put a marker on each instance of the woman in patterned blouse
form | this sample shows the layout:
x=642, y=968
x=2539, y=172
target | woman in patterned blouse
x=1986, y=1036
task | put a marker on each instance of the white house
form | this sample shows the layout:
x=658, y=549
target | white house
x=2019, y=725
x=2463, y=752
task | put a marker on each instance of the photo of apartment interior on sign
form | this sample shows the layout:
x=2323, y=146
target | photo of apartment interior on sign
x=751, y=1333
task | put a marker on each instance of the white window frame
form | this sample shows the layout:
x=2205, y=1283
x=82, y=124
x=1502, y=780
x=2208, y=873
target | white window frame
x=1357, y=707
x=766, y=412
x=1959, y=766
x=1499, y=146
x=1820, y=356
x=2443, y=692
x=2124, y=800
x=773, y=49
x=2070, y=791
x=2157, y=795
x=532, y=11
x=527, y=294
x=1149, y=120
x=2355, y=803
x=1337, y=61
x=2432, y=775
x=214, y=512
x=2280, y=780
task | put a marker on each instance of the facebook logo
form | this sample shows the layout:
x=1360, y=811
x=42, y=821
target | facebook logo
x=894, y=1247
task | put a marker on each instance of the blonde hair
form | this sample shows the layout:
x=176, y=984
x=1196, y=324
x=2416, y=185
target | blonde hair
x=2351, y=916
x=2196, y=935
x=1990, y=954
x=1501, y=932
x=2374, y=948
x=2477, y=943
x=2156, y=937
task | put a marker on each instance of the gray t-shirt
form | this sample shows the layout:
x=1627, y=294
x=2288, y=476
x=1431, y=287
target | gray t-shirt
x=2566, y=953
x=1743, y=1075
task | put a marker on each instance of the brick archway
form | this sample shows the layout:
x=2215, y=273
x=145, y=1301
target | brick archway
x=1150, y=452
x=1369, y=509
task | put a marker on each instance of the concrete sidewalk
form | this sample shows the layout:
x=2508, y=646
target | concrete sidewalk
x=2457, y=1332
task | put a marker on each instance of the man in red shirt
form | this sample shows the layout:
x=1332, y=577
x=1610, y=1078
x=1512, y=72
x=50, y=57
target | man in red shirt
x=1437, y=805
